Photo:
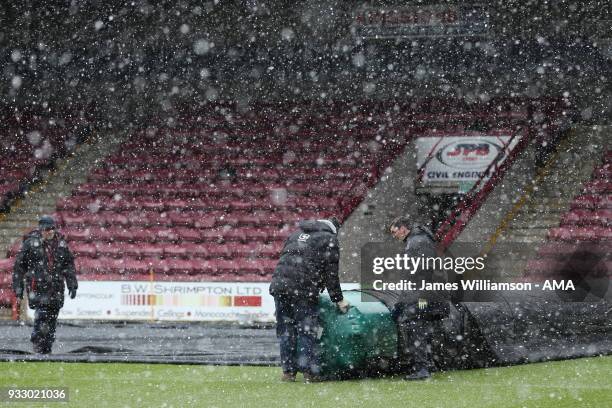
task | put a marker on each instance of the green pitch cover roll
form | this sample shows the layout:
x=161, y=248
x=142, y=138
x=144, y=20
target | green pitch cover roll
x=361, y=342
x=515, y=329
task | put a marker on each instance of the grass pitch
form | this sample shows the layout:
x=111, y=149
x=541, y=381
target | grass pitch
x=576, y=383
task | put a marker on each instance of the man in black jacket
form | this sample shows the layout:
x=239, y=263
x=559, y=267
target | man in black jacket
x=41, y=267
x=415, y=314
x=308, y=264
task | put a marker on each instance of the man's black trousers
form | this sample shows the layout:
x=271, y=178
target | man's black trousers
x=43, y=335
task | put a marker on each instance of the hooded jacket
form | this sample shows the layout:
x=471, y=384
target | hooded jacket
x=420, y=242
x=44, y=282
x=308, y=263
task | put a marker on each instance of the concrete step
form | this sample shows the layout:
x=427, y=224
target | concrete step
x=530, y=215
x=14, y=224
x=22, y=217
x=3, y=242
x=546, y=207
x=526, y=239
x=556, y=197
x=529, y=232
x=9, y=234
x=538, y=223
x=33, y=211
x=43, y=201
x=541, y=214
x=7, y=244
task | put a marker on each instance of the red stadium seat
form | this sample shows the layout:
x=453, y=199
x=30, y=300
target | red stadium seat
x=195, y=250
x=75, y=235
x=211, y=235
x=224, y=266
x=188, y=235
x=604, y=172
x=592, y=202
x=135, y=266
x=175, y=251
x=236, y=234
x=585, y=217
x=151, y=250
x=181, y=219
x=580, y=234
x=84, y=250
x=87, y=266
x=14, y=248
x=142, y=235
x=598, y=187
x=6, y=266
x=181, y=266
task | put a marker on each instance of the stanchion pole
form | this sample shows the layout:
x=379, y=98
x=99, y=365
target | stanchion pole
x=151, y=298
x=15, y=309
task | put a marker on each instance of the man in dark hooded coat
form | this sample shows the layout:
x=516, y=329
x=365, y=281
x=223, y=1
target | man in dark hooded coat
x=42, y=265
x=415, y=314
x=308, y=264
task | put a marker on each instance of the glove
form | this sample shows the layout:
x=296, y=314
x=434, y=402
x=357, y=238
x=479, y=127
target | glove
x=19, y=294
x=72, y=293
x=422, y=304
x=343, y=306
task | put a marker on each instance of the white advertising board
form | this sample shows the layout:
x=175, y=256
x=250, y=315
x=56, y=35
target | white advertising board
x=171, y=301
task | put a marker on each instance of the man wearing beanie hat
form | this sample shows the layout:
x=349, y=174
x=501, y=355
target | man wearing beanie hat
x=42, y=265
x=308, y=264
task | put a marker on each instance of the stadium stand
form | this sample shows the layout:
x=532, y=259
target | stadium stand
x=207, y=204
x=26, y=149
x=585, y=232
x=29, y=144
x=214, y=199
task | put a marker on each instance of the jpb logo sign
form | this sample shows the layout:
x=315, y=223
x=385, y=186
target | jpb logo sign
x=472, y=154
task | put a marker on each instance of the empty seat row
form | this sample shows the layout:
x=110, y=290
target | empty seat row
x=92, y=275
x=187, y=250
x=592, y=202
x=580, y=234
x=563, y=250
x=9, y=188
x=245, y=270
x=204, y=267
x=576, y=269
x=191, y=219
x=10, y=176
x=93, y=205
x=197, y=190
x=603, y=172
x=172, y=235
x=270, y=148
x=240, y=164
x=601, y=218
x=598, y=187
x=286, y=175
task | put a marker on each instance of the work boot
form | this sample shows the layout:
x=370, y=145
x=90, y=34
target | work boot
x=41, y=348
x=311, y=378
x=421, y=374
x=288, y=377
